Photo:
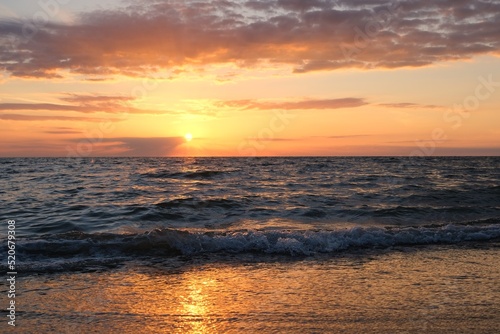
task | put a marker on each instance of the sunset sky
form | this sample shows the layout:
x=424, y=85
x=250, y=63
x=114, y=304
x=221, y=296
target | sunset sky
x=249, y=77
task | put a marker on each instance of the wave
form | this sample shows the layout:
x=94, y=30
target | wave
x=66, y=249
x=203, y=174
x=193, y=203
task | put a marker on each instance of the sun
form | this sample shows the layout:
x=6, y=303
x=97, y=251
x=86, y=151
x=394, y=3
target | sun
x=188, y=136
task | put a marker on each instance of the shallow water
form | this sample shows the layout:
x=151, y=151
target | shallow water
x=432, y=289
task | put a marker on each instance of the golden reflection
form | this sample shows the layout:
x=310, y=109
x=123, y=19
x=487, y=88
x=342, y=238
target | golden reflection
x=195, y=307
x=174, y=303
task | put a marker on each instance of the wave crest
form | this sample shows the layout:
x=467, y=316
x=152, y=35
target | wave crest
x=176, y=242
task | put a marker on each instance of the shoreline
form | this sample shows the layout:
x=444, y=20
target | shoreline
x=433, y=289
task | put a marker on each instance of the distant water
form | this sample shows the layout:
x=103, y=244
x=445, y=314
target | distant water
x=74, y=213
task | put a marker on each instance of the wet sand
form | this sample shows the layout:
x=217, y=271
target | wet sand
x=433, y=289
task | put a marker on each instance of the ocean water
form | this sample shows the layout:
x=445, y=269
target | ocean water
x=254, y=244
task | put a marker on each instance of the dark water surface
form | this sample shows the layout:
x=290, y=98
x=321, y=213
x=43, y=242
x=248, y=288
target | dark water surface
x=72, y=211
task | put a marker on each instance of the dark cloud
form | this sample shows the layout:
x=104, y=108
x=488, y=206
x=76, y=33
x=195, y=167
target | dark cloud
x=138, y=147
x=260, y=5
x=407, y=150
x=466, y=151
x=85, y=147
x=31, y=148
x=307, y=35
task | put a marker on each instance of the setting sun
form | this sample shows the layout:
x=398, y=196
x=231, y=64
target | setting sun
x=188, y=137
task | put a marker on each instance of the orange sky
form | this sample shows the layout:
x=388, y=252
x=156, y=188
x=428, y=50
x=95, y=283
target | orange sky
x=268, y=77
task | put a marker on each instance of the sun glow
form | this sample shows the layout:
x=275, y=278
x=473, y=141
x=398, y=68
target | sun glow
x=188, y=136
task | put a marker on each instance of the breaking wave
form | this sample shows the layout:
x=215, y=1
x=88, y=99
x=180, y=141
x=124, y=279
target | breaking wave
x=65, y=249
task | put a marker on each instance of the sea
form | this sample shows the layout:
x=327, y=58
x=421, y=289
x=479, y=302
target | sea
x=251, y=245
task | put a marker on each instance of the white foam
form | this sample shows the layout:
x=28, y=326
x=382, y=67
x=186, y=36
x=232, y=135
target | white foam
x=170, y=242
x=311, y=242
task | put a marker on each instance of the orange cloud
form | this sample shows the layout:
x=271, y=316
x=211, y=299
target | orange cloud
x=132, y=146
x=84, y=104
x=307, y=35
x=17, y=117
x=410, y=105
x=294, y=105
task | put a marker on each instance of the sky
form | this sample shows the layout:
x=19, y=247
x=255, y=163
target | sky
x=249, y=78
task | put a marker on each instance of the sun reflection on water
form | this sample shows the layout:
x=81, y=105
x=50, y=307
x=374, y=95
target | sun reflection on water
x=195, y=307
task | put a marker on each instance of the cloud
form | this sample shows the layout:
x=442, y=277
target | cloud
x=404, y=151
x=31, y=148
x=150, y=36
x=348, y=136
x=120, y=104
x=18, y=117
x=37, y=106
x=272, y=139
x=85, y=147
x=85, y=104
x=464, y=151
x=294, y=105
x=416, y=142
x=139, y=147
x=62, y=132
x=409, y=105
